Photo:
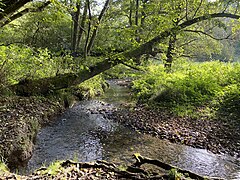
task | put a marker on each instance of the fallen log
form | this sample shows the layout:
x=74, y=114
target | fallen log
x=110, y=167
x=46, y=85
x=140, y=160
x=134, y=171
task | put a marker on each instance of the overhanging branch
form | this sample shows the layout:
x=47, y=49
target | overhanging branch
x=209, y=35
x=23, y=12
x=46, y=85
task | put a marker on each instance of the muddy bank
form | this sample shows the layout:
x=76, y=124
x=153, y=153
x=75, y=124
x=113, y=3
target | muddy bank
x=217, y=136
x=20, y=119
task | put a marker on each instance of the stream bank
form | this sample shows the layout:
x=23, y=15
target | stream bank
x=85, y=133
x=217, y=136
x=20, y=120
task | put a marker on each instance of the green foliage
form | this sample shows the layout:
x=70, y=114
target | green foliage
x=18, y=63
x=121, y=71
x=53, y=169
x=48, y=29
x=192, y=85
x=90, y=88
x=3, y=167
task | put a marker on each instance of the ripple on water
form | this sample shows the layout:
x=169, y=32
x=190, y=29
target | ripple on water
x=84, y=134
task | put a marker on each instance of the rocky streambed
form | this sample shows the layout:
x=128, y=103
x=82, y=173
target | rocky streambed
x=216, y=136
x=99, y=130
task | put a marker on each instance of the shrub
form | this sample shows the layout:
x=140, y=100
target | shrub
x=191, y=84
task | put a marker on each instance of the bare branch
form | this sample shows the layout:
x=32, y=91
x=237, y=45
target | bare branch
x=228, y=3
x=186, y=12
x=209, y=35
x=187, y=43
x=200, y=4
x=131, y=66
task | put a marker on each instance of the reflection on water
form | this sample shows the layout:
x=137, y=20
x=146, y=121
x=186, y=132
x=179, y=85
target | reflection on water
x=83, y=135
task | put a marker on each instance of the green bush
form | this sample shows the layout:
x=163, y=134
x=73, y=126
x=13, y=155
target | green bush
x=90, y=88
x=20, y=62
x=191, y=84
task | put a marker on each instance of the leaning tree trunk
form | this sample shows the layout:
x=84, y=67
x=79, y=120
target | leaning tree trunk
x=46, y=85
x=50, y=84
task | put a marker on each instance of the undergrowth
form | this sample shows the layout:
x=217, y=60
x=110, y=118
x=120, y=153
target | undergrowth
x=18, y=63
x=190, y=86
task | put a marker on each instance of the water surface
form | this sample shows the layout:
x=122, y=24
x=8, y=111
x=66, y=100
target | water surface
x=84, y=134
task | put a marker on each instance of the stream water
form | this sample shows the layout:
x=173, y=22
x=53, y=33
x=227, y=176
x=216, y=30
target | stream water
x=84, y=134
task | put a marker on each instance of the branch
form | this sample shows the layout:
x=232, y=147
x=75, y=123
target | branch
x=12, y=7
x=140, y=160
x=186, y=11
x=131, y=66
x=227, y=6
x=195, y=13
x=94, y=34
x=147, y=47
x=23, y=12
x=187, y=43
x=209, y=35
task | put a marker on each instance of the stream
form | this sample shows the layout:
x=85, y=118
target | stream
x=83, y=133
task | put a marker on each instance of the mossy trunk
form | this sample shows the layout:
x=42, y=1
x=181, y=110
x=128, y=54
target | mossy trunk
x=50, y=84
x=46, y=85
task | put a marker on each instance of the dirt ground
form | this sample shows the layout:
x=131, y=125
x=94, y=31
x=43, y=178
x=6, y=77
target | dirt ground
x=217, y=136
x=20, y=119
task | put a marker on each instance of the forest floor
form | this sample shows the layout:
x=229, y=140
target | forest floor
x=215, y=135
x=21, y=117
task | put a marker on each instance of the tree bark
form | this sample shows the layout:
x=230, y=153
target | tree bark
x=89, y=29
x=23, y=12
x=82, y=24
x=171, y=46
x=11, y=7
x=130, y=13
x=46, y=85
x=75, y=18
x=95, y=30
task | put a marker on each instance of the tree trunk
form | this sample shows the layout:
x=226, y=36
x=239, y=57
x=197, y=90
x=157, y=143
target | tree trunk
x=136, y=21
x=10, y=7
x=50, y=84
x=89, y=29
x=131, y=13
x=171, y=46
x=46, y=85
x=95, y=30
x=23, y=12
x=82, y=25
x=75, y=18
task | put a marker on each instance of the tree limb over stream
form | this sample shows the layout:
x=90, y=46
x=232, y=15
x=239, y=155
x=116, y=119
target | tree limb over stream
x=46, y=85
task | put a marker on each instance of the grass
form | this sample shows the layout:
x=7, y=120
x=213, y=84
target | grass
x=53, y=169
x=3, y=167
x=192, y=89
